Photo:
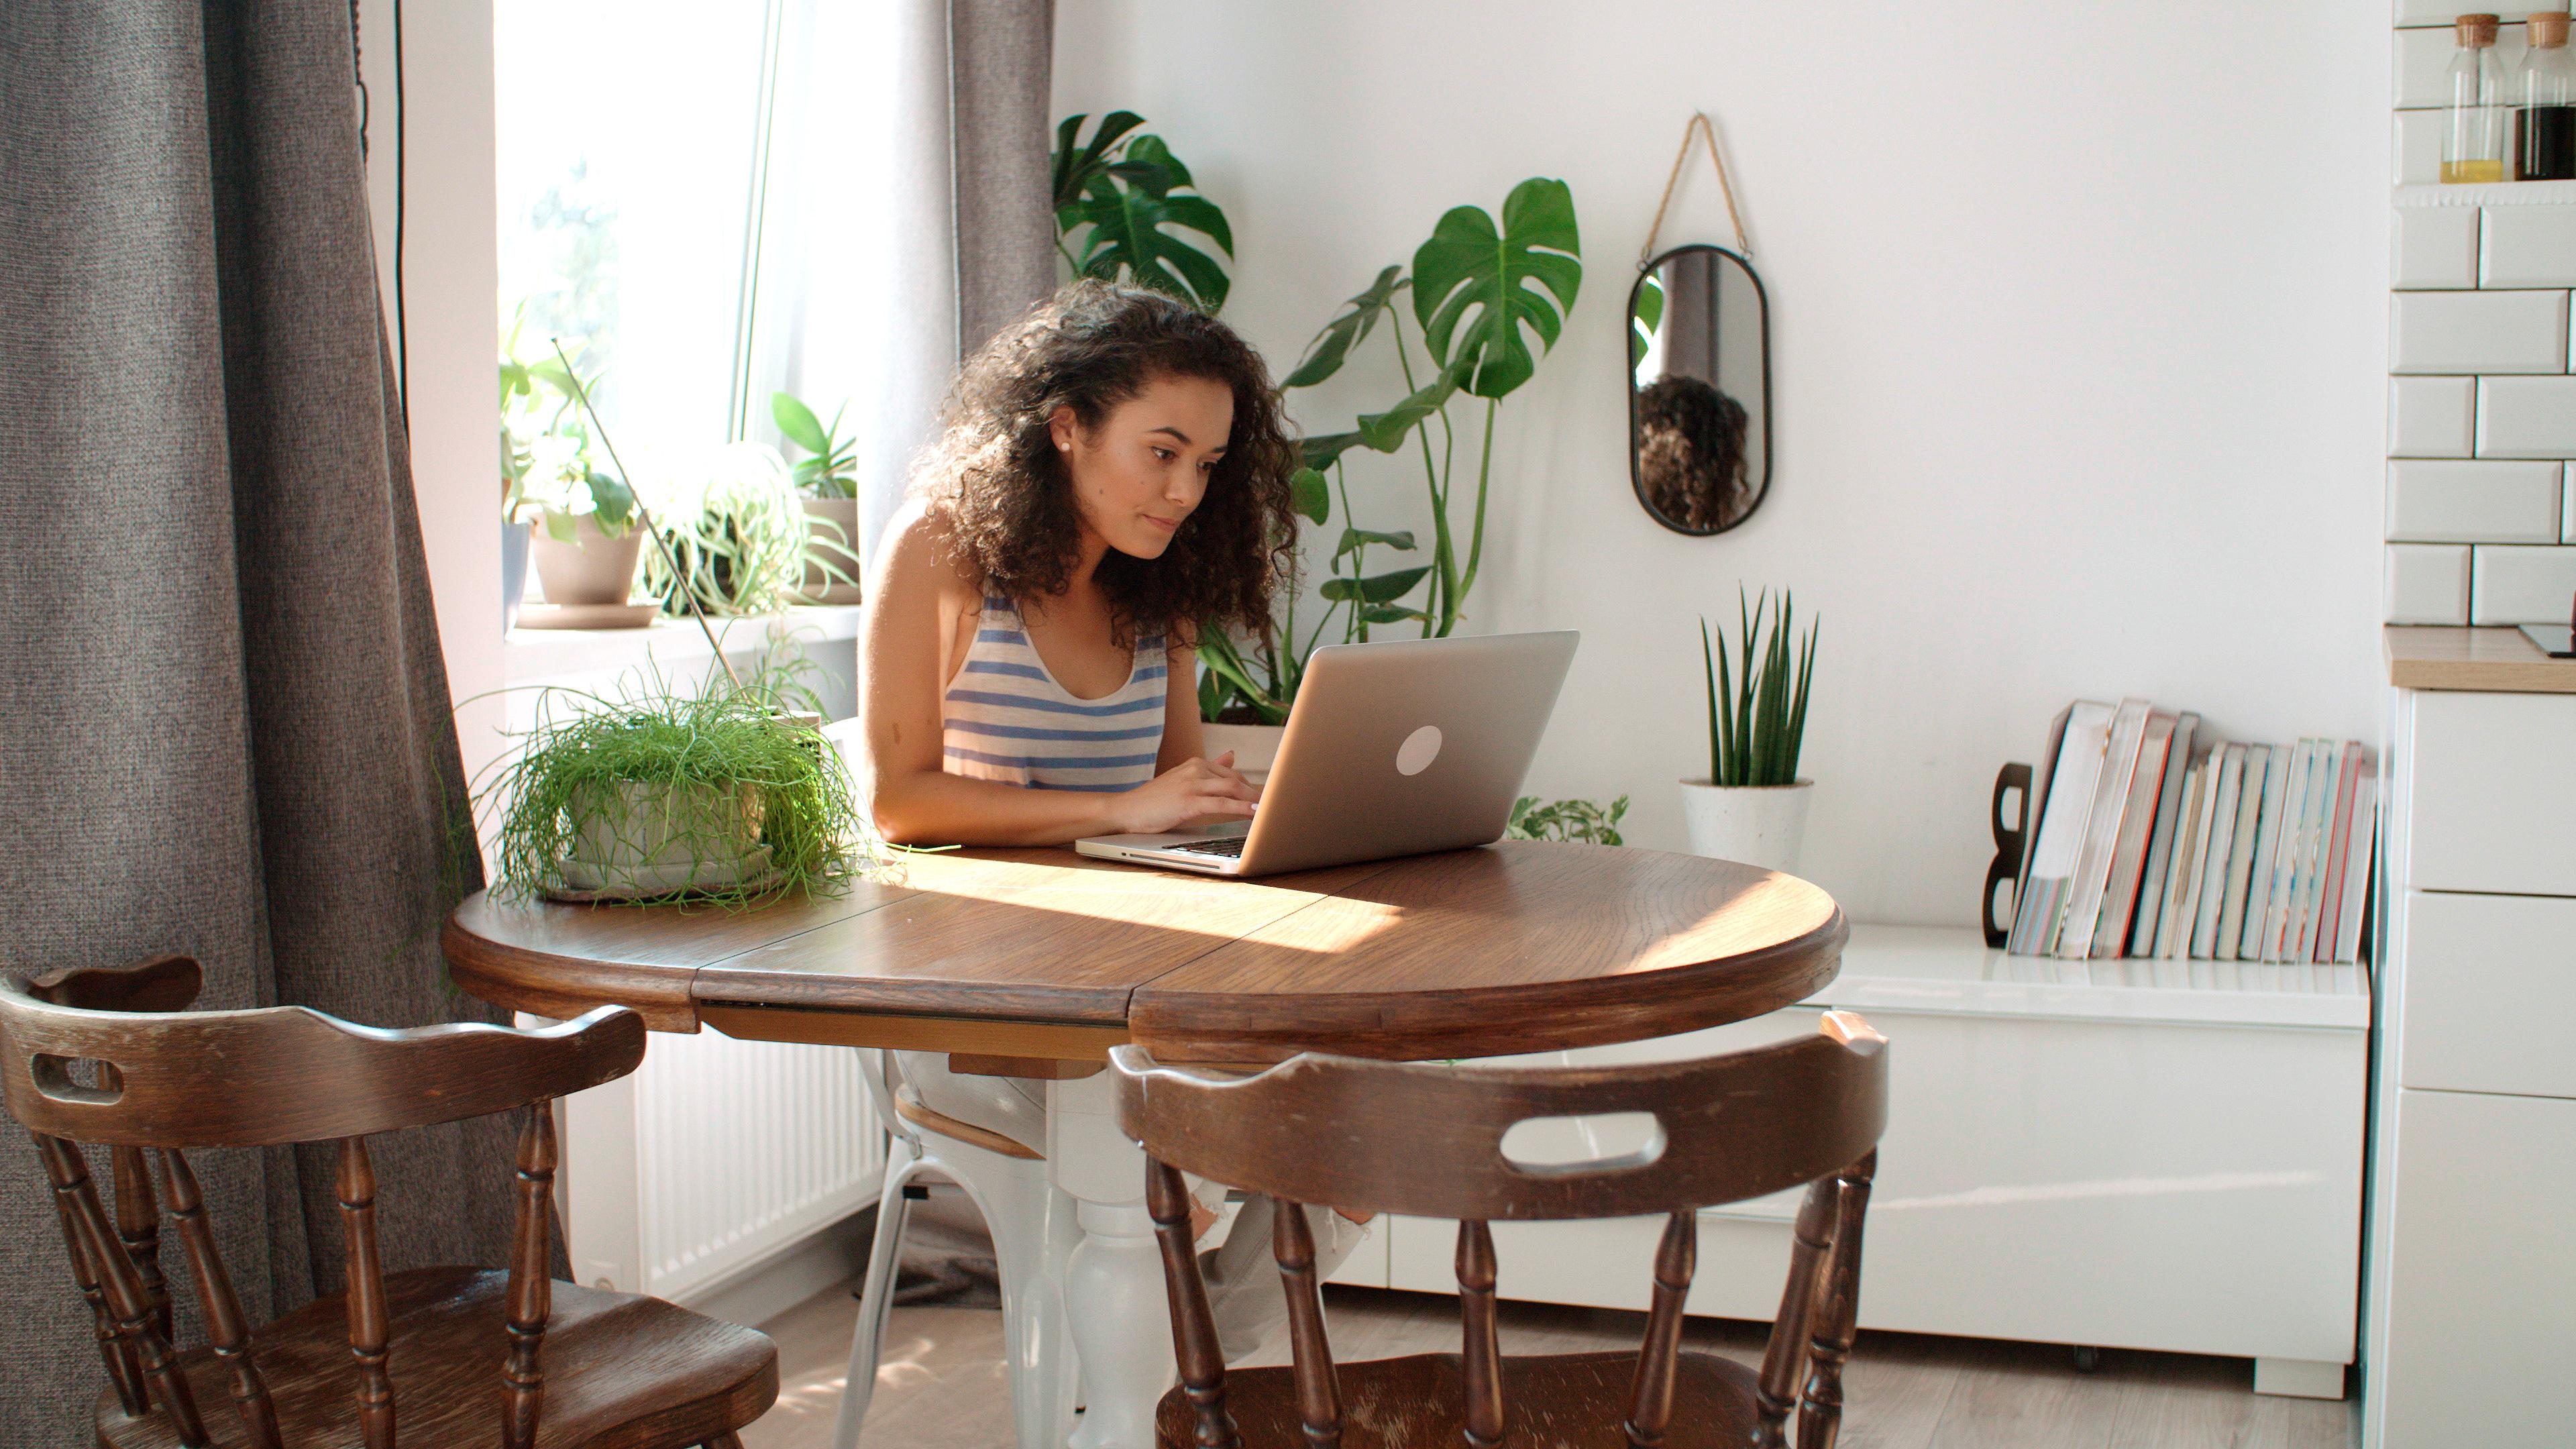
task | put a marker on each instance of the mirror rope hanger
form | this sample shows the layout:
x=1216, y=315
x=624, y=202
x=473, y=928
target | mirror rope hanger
x=1699, y=126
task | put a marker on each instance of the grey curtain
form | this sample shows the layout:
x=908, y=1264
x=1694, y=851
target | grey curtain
x=224, y=721
x=1000, y=54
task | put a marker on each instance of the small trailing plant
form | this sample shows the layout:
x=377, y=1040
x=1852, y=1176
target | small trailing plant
x=1757, y=705
x=830, y=467
x=547, y=473
x=739, y=547
x=1584, y=820
x=718, y=780
x=1115, y=196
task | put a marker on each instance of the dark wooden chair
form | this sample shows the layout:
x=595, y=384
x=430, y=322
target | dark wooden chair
x=482, y=1357
x=1427, y=1140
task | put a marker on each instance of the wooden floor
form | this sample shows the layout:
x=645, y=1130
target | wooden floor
x=940, y=1385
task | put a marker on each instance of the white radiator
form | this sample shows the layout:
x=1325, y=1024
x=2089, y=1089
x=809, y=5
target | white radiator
x=715, y=1158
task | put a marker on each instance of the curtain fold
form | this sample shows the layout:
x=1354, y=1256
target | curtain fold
x=224, y=719
x=1001, y=55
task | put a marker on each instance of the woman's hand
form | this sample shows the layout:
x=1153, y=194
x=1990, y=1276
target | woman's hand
x=1191, y=792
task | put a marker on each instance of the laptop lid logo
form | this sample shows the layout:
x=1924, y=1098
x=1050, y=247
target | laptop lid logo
x=1420, y=748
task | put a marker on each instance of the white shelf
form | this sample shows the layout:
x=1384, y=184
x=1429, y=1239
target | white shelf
x=2500, y=193
x=535, y=654
x=1951, y=972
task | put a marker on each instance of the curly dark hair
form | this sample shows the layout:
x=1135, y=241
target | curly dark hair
x=1690, y=452
x=996, y=481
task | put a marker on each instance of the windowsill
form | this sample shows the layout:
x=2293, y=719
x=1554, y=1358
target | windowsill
x=537, y=654
x=2497, y=193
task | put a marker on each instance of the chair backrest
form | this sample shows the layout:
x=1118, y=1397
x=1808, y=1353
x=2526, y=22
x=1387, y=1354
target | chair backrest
x=112, y=1057
x=1428, y=1140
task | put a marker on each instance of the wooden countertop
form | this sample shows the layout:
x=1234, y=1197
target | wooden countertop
x=2494, y=660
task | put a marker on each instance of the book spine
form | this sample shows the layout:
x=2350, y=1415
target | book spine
x=2357, y=874
x=2210, y=892
x=2284, y=853
x=2329, y=920
x=2240, y=862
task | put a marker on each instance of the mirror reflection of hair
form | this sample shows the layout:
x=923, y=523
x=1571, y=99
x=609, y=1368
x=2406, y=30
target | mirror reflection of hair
x=1690, y=453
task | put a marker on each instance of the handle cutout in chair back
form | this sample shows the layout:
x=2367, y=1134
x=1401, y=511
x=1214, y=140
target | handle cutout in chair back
x=1593, y=1145
x=75, y=1079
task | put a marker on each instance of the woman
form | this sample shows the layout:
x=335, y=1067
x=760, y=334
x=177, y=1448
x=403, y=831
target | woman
x=1114, y=475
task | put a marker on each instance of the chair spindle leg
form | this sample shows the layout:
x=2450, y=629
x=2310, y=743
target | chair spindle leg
x=531, y=1281
x=138, y=1224
x=1650, y=1410
x=1319, y=1398
x=124, y=1370
x=126, y=1298
x=367, y=1317
x=227, y=1331
x=1194, y=1339
x=1820, y=1417
x=1784, y=1356
x=1480, y=1355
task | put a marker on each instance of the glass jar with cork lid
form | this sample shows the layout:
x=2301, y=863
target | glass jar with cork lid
x=2475, y=124
x=2544, y=97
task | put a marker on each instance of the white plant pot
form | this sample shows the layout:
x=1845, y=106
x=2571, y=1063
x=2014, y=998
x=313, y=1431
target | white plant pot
x=1255, y=746
x=1760, y=825
x=649, y=838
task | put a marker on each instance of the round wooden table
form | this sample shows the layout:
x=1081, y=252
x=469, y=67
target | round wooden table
x=1035, y=962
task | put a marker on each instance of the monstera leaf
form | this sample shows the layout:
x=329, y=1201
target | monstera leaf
x=1475, y=288
x=1325, y=449
x=1076, y=167
x=1648, y=316
x=1325, y=355
x=1128, y=200
x=1376, y=589
x=1310, y=494
x=1386, y=431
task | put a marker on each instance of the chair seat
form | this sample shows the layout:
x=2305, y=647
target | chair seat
x=621, y=1372
x=1572, y=1401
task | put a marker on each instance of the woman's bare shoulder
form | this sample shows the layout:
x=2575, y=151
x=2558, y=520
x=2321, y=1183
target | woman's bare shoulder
x=920, y=547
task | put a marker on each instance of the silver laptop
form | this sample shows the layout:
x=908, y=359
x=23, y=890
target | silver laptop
x=1391, y=749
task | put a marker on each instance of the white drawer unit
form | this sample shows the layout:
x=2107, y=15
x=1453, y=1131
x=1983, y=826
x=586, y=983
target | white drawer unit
x=2161, y=1155
x=2494, y=787
x=2491, y=998
x=2482, y=1298
x=2469, y=1317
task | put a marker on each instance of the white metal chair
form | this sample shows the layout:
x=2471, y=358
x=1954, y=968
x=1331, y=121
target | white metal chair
x=1034, y=1233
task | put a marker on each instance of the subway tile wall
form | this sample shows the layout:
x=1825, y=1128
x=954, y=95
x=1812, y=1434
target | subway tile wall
x=2480, y=490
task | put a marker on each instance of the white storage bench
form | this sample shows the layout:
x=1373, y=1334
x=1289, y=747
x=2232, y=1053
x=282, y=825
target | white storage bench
x=2138, y=1154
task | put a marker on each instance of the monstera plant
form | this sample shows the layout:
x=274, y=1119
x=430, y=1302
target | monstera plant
x=1477, y=294
x=1115, y=197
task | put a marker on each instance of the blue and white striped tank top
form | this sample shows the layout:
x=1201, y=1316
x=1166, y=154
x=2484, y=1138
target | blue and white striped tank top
x=1005, y=717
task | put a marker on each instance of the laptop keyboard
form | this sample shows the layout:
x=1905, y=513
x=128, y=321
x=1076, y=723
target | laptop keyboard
x=1228, y=846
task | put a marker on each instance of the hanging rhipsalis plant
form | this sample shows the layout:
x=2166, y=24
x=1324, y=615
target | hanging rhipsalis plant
x=1478, y=294
x=1117, y=198
x=1757, y=706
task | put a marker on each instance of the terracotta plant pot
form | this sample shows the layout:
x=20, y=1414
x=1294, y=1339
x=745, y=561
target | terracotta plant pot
x=1762, y=825
x=592, y=569
x=832, y=536
x=1255, y=747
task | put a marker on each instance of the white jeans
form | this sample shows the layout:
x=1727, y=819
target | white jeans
x=1243, y=1289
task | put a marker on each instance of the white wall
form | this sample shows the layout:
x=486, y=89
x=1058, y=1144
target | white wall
x=2078, y=353
x=450, y=280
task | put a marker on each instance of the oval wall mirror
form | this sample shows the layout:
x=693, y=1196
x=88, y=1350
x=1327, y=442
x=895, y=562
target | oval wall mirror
x=1699, y=389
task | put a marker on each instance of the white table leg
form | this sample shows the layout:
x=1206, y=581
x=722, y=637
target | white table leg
x=1113, y=1291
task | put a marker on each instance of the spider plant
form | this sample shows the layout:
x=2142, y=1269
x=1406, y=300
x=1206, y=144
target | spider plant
x=1757, y=705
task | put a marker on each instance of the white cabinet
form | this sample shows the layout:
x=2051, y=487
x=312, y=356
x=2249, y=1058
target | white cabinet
x=2470, y=1317
x=2482, y=1295
x=2161, y=1155
x=2493, y=780
x=2491, y=994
